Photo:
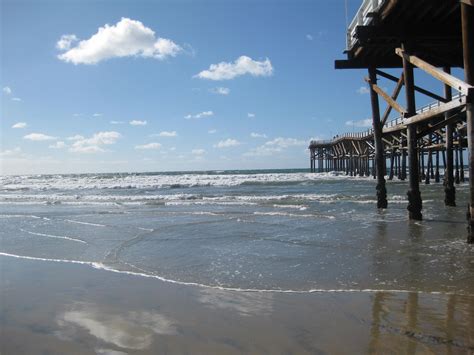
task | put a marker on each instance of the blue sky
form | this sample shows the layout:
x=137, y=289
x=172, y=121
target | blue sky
x=105, y=86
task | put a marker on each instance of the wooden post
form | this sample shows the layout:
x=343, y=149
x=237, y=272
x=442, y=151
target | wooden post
x=461, y=159
x=403, y=174
x=428, y=168
x=374, y=172
x=415, y=203
x=437, y=162
x=321, y=160
x=430, y=158
x=367, y=162
x=449, y=189
x=392, y=160
x=422, y=164
x=456, y=175
x=397, y=165
x=399, y=168
x=444, y=159
x=379, y=149
x=467, y=18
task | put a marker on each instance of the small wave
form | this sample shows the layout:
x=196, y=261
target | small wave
x=293, y=207
x=85, y=223
x=286, y=214
x=101, y=266
x=22, y=216
x=54, y=236
x=146, y=229
x=203, y=213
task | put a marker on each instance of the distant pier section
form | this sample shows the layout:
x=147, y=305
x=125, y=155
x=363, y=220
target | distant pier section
x=420, y=144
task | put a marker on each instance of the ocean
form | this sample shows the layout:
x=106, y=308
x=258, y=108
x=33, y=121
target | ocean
x=230, y=262
x=268, y=231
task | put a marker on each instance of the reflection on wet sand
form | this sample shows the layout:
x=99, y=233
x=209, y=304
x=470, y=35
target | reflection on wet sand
x=416, y=323
x=128, y=330
x=242, y=303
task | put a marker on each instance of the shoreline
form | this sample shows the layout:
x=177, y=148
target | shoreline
x=102, y=267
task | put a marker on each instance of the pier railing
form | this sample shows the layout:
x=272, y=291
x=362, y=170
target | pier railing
x=394, y=122
x=362, y=18
x=430, y=106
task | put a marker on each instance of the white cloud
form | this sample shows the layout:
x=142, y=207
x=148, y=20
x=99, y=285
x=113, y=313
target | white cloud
x=250, y=115
x=77, y=137
x=16, y=99
x=227, y=143
x=94, y=144
x=97, y=115
x=242, y=65
x=38, y=137
x=58, y=145
x=212, y=131
x=363, y=90
x=7, y=90
x=127, y=38
x=309, y=37
x=200, y=115
x=258, y=135
x=166, y=134
x=220, y=91
x=276, y=145
x=65, y=42
x=148, y=146
x=362, y=123
x=138, y=123
x=198, y=152
x=20, y=125
x=116, y=122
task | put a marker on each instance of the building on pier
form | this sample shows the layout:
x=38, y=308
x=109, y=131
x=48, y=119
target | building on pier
x=432, y=36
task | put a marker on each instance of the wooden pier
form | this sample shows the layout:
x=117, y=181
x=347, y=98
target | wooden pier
x=421, y=145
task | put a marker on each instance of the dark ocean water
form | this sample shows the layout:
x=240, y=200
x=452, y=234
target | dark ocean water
x=255, y=230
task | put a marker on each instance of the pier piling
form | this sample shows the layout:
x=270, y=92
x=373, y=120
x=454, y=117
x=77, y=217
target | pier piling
x=379, y=149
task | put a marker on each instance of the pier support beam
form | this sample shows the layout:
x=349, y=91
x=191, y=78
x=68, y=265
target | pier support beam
x=449, y=189
x=467, y=18
x=379, y=149
x=414, y=195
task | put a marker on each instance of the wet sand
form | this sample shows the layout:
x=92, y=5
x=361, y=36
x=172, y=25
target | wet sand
x=58, y=308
